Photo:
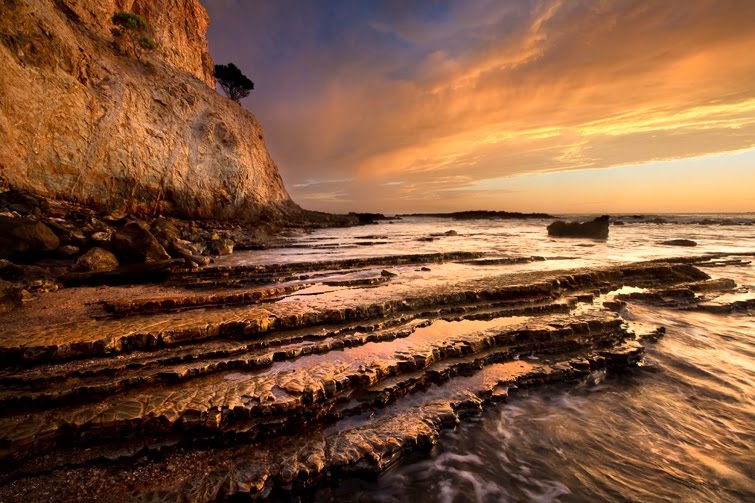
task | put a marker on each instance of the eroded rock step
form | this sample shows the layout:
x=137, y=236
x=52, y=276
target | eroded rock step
x=208, y=405
x=356, y=444
x=286, y=269
x=86, y=338
x=88, y=380
x=408, y=379
x=219, y=298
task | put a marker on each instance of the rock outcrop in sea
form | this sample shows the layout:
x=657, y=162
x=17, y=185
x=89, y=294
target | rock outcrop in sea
x=83, y=122
x=596, y=228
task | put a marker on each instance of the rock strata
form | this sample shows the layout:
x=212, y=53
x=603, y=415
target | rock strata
x=284, y=385
x=83, y=122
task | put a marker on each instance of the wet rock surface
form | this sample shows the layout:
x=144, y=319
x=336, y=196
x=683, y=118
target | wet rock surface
x=596, y=229
x=238, y=379
x=679, y=242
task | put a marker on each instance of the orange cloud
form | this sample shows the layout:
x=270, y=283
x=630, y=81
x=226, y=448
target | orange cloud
x=498, y=89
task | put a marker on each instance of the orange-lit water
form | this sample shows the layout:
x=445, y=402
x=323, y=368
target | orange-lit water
x=682, y=428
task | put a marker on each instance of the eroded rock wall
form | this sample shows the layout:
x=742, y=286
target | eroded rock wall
x=81, y=121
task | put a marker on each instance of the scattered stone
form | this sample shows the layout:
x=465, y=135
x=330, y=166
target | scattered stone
x=11, y=296
x=388, y=274
x=24, y=236
x=425, y=269
x=596, y=229
x=68, y=251
x=679, y=242
x=619, y=222
x=23, y=203
x=134, y=243
x=102, y=237
x=221, y=246
x=97, y=259
x=451, y=233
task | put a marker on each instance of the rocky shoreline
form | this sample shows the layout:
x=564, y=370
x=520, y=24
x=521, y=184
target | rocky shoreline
x=45, y=244
x=229, y=380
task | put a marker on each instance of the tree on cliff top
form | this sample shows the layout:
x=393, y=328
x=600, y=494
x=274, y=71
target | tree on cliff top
x=133, y=31
x=235, y=84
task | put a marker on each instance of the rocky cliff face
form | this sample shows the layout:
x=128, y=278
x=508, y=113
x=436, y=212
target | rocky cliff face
x=80, y=120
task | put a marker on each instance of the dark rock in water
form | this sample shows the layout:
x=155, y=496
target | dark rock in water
x=388, y=274
x=21, y=236
x=135, y=243
x=619, y=222
x=425, y=269
x=596, y=229
x=368, y=218
x=451, y=233
x=97, y=259
x=679, y=242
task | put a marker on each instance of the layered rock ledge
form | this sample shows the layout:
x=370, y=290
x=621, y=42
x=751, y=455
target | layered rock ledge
x=241, y=379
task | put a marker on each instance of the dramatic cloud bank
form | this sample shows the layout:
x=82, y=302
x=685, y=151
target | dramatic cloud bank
x=393, y=106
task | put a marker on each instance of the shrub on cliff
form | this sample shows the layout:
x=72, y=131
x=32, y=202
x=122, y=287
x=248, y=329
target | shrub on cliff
x=235, y=84
x=133, y=33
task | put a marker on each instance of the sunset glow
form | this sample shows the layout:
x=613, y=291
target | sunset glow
x=522, y=105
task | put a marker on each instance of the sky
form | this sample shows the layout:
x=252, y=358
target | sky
x=563, y=106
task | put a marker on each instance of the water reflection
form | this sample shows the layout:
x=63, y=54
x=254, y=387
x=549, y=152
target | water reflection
x=682, y=428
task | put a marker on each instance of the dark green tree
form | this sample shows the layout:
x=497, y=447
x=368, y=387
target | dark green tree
x=235, y=84
x=133, y=33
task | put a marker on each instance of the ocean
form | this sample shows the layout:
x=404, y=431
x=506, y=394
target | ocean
x=679, y=428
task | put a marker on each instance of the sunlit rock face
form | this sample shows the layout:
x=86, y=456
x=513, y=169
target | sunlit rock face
x=84, y=122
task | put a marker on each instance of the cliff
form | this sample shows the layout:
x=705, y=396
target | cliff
x=82, y=121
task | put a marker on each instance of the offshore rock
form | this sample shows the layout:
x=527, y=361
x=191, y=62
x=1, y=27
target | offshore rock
x=82, y=122
x=679, y=242
x=596, y=229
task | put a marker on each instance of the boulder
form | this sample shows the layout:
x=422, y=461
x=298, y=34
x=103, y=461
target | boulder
x=222, y=246
x=11, y=296
x=165, y=231
x=134, y=243
x=451, y=233
x=24, y=236
x=68, y=251
x=23, y=202
x=97, y=259
x=596, y=229
x=679, y=242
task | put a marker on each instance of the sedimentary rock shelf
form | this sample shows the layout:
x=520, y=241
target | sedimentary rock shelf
x=281, y=382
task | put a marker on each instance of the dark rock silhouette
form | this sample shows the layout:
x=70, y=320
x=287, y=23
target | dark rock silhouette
x=679, y=242
x=596, y=229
